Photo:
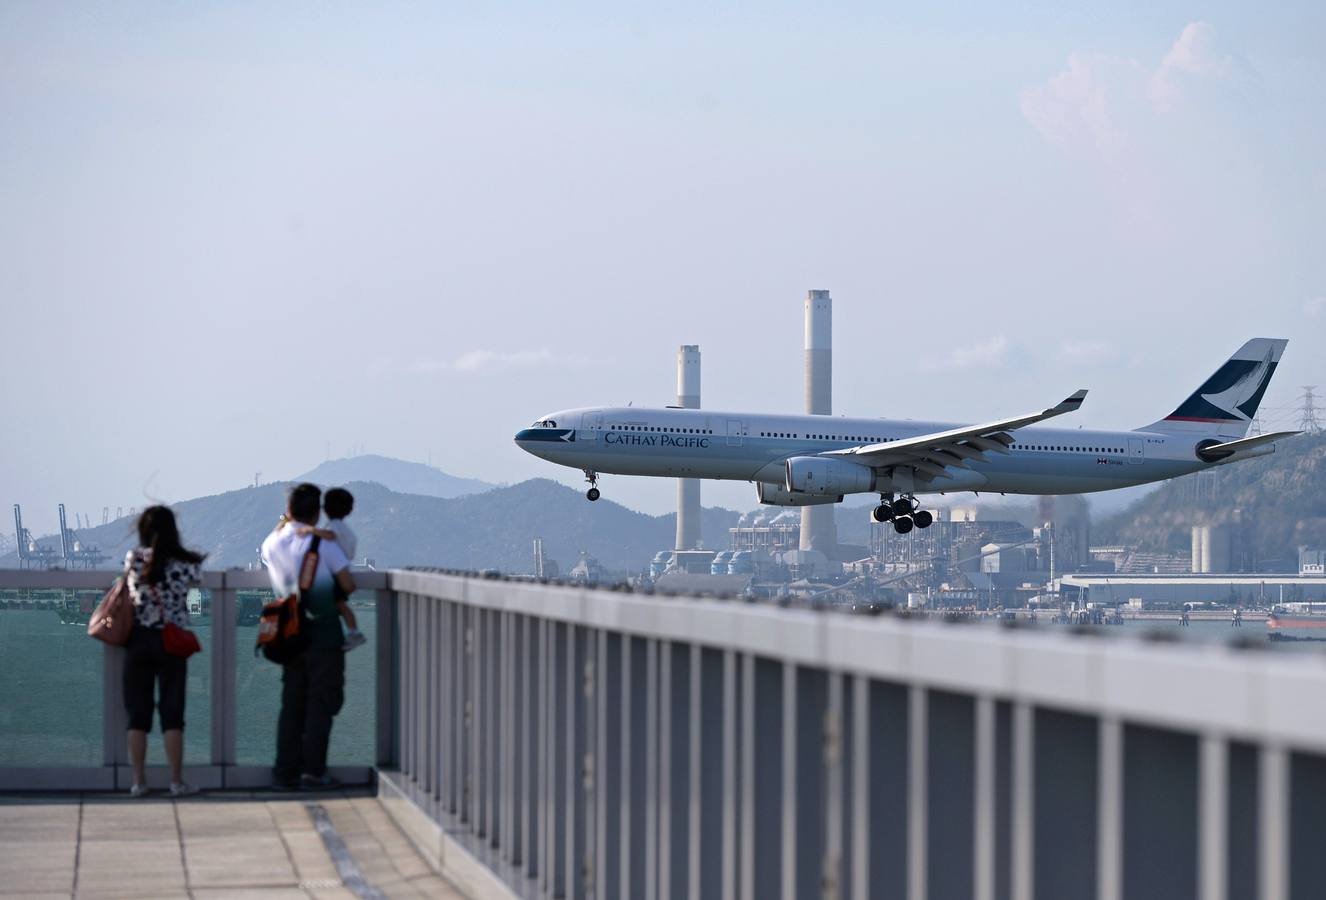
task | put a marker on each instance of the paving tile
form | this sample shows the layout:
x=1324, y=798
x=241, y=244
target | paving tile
x=335, y=893
x=290, y=816
x=128, y=821
x=436, y=886
x=257, y=893
x=310, y=854
x=25, y=883
x=38, y=821
x=224, y=820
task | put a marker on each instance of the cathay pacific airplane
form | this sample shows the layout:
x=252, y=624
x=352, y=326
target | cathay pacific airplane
x=810, y=460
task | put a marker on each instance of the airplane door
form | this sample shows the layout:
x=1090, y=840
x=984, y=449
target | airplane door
x=590, y=423
x=1136, y=452
x=734, y=433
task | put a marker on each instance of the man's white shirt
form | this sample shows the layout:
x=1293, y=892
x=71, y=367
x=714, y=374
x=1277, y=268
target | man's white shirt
x=283, y=553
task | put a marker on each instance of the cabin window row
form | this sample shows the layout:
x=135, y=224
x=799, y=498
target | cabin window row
x=1063, y=449
x=656, y=428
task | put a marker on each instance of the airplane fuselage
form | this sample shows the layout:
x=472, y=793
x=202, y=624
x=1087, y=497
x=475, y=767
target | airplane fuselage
x=694, y=443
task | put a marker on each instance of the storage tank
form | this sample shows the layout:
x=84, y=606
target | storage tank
x=662, y=559
x=741, y=562
x=719, y=565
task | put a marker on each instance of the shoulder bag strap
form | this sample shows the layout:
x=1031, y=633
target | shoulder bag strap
x=308, y=567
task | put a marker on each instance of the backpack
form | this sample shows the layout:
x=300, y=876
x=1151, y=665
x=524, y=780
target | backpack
x=282, y=634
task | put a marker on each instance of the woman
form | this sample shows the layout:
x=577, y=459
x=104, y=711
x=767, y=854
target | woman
x=159, y=573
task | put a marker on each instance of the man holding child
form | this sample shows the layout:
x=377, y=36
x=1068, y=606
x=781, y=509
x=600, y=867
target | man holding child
x=313, y=683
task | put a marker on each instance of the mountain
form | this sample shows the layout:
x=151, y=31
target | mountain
x=1275, y=503
x=395, y=474
x=495, y=529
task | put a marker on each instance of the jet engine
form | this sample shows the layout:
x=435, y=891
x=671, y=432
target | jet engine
x=773, y=495
x=826, y=475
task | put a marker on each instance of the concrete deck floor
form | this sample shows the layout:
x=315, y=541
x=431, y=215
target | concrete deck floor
x=231, y=845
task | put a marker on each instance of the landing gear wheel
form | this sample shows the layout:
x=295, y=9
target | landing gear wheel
x=593, y=479
x=923, y=519
x=882, y=513
x=903, y=506
x=902, y=524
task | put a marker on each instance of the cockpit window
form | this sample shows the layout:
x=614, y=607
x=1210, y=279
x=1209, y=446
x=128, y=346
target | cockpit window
x=544, y=423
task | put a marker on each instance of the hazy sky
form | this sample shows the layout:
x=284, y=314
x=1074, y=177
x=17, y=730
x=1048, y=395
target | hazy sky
x=233, y=236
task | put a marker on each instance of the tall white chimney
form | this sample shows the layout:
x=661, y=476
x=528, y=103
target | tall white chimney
x=818, y=529
x=688, y=489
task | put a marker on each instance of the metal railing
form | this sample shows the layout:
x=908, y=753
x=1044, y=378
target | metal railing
x=221, y=770
x=586, y=743
x=564, y=741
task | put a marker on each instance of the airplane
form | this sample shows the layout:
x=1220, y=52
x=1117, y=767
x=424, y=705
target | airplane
x=805, y=460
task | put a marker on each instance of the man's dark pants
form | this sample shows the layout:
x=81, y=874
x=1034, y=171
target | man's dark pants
x=312, y=692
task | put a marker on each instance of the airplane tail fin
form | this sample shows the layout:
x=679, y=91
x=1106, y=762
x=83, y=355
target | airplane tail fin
x=1227, y=401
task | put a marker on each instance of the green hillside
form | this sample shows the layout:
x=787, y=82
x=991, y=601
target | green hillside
x=492, y=530
x=1275, y=503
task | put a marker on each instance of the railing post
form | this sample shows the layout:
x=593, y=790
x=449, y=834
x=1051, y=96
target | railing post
x=861, y=788
x=1024, y=774
x=1213, y=818
x=1109, y=810
x=1273, y=819
x=114, y=747
x=731, y=733
x=984, y=837
x=387, y=649
x=918, y=774
x=831, y=876
x=223, y=659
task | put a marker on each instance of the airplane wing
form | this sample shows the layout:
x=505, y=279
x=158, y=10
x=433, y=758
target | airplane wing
x=930, y=454
x=1215, y=452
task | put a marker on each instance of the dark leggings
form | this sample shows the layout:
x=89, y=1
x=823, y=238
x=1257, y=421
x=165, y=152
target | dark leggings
x=146, y=661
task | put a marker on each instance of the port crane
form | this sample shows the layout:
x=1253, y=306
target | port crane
x=30, y=553
x=75, y=554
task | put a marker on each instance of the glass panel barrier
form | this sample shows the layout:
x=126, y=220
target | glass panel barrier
x=258, y=690
x=50, y=678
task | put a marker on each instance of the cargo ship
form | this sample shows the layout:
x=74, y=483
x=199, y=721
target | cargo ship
x=1299, y=615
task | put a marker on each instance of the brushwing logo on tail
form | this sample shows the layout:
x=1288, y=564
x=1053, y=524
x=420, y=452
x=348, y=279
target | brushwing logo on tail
x=1230, y=395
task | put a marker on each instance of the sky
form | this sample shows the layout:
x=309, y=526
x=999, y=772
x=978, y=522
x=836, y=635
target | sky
x=236, y=239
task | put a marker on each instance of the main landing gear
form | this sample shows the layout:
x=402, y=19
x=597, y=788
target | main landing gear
x=903, y=512
x=593, y=478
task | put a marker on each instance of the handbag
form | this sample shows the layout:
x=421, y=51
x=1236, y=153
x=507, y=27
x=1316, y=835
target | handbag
x=113, y=618
x=179, y=641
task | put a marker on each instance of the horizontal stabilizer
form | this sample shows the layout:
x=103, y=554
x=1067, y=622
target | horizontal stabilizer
x=1217, y=452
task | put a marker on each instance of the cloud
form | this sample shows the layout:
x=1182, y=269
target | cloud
x=478, y=361
x=1314, y=307
x=1195, y=55
x=1087, y=353
x=991, y=354
x=1075, y=104
x=1099, y=99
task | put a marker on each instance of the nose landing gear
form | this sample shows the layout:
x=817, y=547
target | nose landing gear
x=593, y=493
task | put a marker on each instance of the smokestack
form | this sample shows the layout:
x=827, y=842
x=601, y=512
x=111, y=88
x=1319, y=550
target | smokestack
x=818, y=530
x=688, y=489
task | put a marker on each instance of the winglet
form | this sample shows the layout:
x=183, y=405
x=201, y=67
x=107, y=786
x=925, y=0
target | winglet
x=1071, y=403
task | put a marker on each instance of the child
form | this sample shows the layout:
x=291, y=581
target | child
x=337, y=503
